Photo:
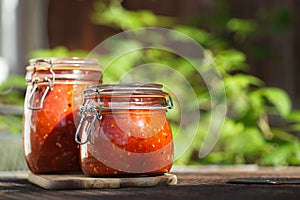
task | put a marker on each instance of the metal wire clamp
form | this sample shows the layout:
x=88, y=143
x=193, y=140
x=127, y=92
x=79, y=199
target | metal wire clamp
x=35, y=85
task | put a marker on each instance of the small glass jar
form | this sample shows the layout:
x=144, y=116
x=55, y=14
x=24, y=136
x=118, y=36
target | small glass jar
x=124, y=130
x=53, y=97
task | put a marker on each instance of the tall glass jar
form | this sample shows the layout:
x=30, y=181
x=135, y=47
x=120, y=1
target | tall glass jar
x=124, y=130
x=53, y=97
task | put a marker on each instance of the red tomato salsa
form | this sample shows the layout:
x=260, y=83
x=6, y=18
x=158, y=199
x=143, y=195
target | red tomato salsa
x=49, y=133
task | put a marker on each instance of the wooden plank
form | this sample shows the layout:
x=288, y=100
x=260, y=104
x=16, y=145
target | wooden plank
x=80, y=181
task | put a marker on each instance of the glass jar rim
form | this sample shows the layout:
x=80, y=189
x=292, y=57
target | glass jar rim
x=64, y=63
x=131, y=89
x=63, y=60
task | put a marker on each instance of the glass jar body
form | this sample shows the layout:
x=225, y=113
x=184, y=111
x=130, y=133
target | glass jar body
x=132, y=137
x=129, y=143
x=49, y=123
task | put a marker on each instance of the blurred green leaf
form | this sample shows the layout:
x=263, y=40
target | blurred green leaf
x=283, y=136
x=242, y=28
x=282, y=155
x=242, y=25
x=11, y=124
x=294, y=116
x=117, y=17
x=230, y=60
x=12, y=90
x=241, y=82
x=13, y=81
x=200, y=36
x=279, y=98
x=59, y=51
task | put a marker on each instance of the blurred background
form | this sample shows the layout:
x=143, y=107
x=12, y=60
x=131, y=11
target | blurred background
x=254, y=44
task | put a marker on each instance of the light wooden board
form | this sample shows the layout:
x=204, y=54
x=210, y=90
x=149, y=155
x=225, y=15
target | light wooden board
x=80, y=181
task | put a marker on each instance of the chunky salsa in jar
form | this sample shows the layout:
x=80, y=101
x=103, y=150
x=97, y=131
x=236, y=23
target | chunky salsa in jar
x=53, y=97
x=124, y=131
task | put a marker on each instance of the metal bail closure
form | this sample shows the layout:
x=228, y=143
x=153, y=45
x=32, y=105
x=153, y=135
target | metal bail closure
x=87, y=111
x=170, y=104
x=35, y=87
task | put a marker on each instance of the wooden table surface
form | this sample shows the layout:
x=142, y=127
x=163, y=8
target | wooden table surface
x=208, y=182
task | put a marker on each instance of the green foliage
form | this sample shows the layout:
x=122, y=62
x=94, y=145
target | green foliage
x=11, y=124
x=277, y=97
x=59, y=51
x=230, y=60
x=241, y=25
x=12, y=93
x=247, y=135
x=115, y=16
x=241, y=28
x=12, y=90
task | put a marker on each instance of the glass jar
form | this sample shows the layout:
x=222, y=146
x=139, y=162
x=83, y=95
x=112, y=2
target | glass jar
x=124, y=130
x=51, y=111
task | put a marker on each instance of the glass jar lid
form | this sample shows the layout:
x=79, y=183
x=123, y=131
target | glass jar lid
x=127, y=97
x=41, y=70
x=134, y=89
x=63, y=64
